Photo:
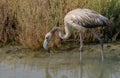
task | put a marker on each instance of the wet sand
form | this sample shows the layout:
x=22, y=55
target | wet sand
x=111, y=50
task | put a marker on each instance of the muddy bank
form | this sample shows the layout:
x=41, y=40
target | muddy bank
x=111, y=50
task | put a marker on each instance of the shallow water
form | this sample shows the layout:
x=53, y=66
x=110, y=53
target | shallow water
x=60, y=65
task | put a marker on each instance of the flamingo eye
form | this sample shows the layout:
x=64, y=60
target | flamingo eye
x=46, y=38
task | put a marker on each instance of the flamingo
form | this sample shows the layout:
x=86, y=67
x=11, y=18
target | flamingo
x=80, y=19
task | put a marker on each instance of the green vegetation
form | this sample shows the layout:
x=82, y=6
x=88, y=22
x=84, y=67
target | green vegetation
x=27, y=21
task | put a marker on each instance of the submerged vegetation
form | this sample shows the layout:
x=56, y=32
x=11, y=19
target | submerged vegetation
x=27, y=21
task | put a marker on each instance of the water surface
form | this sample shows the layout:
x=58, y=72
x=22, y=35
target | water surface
x=60, y=65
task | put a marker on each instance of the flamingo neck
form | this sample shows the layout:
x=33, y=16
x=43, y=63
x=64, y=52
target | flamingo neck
x=61, y=34
x=67, y=33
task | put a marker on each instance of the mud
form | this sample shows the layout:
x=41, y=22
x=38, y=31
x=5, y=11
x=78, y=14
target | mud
x=18, y=62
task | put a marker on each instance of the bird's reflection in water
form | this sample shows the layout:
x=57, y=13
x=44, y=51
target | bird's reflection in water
x=91, y=70
x=61, y=67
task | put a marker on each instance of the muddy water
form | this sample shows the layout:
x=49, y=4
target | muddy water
x=60, y=65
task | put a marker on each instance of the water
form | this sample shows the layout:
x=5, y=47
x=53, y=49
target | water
x=60, y=65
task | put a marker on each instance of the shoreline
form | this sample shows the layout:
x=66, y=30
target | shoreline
x=111, y=50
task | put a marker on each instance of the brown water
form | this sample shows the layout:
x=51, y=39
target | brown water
x=16, y=63
x=60, y=65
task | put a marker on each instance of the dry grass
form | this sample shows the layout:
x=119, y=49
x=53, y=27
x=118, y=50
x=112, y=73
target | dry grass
x=27, y=21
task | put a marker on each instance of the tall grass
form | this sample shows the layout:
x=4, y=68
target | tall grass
x=27, y=21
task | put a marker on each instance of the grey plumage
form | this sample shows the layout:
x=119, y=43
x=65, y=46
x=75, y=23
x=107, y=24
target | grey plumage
x=87, y=18
x=79, y=19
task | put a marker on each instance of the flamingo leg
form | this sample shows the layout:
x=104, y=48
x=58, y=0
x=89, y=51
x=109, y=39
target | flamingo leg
x=101, y=43
x=81, y=45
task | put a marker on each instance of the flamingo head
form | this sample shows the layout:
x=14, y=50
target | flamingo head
x=47, y=39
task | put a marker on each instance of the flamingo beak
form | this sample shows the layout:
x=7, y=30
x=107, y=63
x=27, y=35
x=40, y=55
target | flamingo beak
x=45, y=45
